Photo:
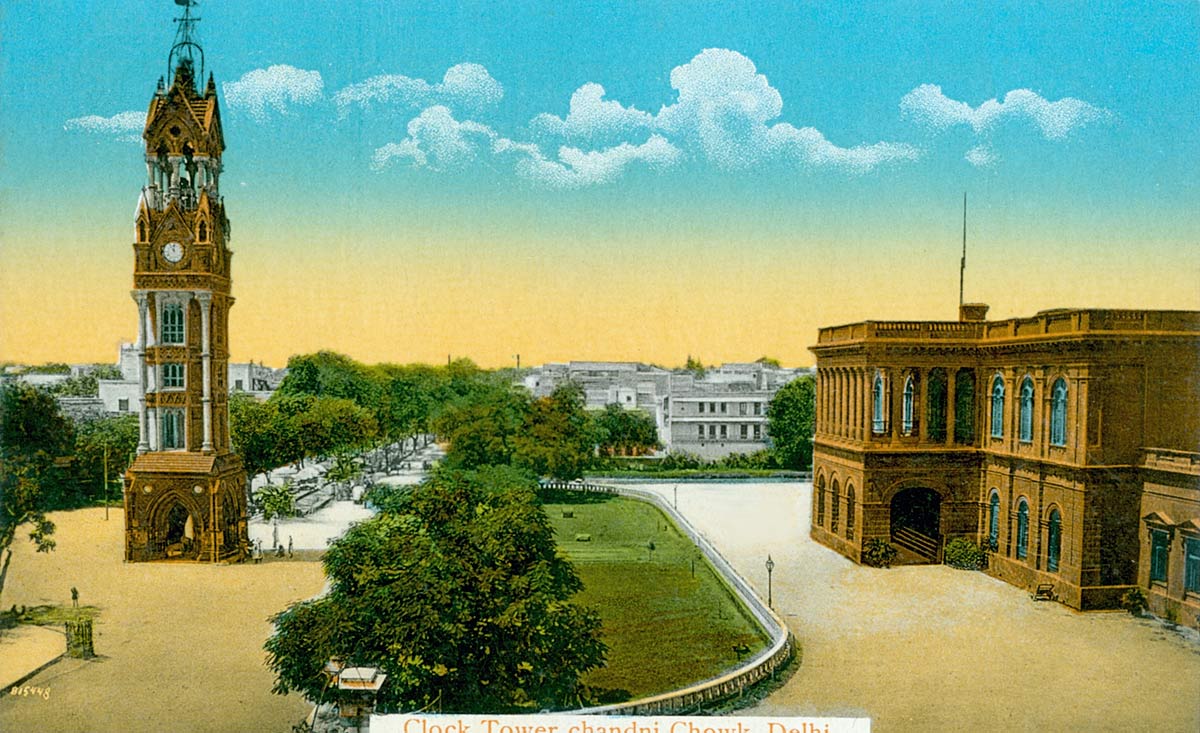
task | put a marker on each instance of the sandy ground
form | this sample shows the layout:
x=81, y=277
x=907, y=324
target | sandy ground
x=25, y=649
x=928, y=648
x=933, y=648
x=180, y=645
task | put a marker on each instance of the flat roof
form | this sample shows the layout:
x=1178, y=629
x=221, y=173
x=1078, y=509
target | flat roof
x=1046, y=324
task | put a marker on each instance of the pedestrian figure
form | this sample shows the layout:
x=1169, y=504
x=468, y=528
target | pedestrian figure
x=74, y=597
x=289, y=545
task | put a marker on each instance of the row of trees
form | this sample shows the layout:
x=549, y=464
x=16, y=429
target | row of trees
x=480, y=414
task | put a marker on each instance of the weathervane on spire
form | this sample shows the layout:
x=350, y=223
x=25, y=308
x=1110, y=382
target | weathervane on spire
x=186, y=49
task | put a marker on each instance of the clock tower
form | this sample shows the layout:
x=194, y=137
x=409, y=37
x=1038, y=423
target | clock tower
x=185, y=493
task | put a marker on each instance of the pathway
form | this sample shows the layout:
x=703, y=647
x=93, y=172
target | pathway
x=933, y=648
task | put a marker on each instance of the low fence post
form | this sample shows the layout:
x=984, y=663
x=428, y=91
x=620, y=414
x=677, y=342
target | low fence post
x=79, y=639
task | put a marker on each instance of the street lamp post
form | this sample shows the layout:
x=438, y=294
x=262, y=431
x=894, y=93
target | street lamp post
x=770, y=567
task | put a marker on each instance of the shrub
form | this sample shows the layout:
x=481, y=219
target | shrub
x=878, y=553
x=964, y=554
x=680, y=460
x=1134, y=601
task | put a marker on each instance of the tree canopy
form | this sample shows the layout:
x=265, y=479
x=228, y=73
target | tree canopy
x=455, y=591
x=557, y=437
x=625, y=431
x=791, y=421
x=34, y=437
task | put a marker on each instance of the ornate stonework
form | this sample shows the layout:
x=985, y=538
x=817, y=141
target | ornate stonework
x=185, y=493
x=1028, y=434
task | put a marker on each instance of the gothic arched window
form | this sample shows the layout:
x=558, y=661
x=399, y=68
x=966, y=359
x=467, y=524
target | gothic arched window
x=907, y=412
x=849, y=512
x=1054, y=541
x=878, y=424
x=998, y=407
x=1022, y=529
x=1026, y=420
x=821, y=501
x=833, y=508
x=171, y=331
x=1058, y=412
x=994, y=521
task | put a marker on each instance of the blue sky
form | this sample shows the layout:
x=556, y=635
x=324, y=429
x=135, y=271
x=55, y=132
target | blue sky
x=828, y=134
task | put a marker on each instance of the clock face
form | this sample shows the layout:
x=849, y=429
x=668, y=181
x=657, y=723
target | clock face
x=172, y=252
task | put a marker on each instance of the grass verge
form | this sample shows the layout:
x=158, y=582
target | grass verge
x=669, y=619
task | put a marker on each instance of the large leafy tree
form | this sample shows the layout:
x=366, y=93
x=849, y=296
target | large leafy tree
x=112, y=440
x=482, y=427
x=791, y=421
x=557, y=437
x=35, y=439
x=254, y=425
x=456, y=592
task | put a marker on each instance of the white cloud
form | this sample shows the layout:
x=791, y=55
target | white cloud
x=981, y=156
x=274, y=88
x=470, y=86
x=591, y=117
x=928, y=105
x=126, y=126
x=725, y=113
x=807, y=145
x=437, y=141
x=724, y=105
x=577, y=168
x=464, y=86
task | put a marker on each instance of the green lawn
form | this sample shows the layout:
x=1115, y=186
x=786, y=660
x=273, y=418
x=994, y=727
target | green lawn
x=669, y=621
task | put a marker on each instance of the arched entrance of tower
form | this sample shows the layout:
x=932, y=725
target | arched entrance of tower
x=916, y=515
x=174, y=530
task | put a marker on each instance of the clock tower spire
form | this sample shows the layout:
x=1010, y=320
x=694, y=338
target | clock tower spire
x=185, y=493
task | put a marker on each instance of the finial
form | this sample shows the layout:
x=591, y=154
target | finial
x=186, y=50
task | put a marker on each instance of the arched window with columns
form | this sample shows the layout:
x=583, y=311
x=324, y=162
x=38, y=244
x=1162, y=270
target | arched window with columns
x=1054, y=540
x=1026, y=417
x=820, y=501
x=850, y=511
x=906, y=422
x=833, y=507
x=994, y=521
x=998, y=406
x=172, y=327
x=1058, y=412
x=1022, y=529
x=878, y=409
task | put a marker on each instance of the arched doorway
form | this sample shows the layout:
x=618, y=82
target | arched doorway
x=916, y=522
x=175, y=532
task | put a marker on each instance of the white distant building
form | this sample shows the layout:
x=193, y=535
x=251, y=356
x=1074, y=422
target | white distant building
x=722, y=413
x=121, y=395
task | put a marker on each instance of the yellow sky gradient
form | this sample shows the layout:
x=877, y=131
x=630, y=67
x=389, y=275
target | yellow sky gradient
x=715, y=297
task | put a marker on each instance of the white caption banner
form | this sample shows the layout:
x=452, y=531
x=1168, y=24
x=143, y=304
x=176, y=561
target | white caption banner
x=559, y=723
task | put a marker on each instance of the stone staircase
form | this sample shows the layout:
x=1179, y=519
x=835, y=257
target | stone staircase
x=925, y=548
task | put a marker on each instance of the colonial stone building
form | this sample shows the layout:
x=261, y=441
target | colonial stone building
x=185, y=493
x=1066, y=442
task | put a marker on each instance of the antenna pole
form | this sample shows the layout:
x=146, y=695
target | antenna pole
x=962, y=265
